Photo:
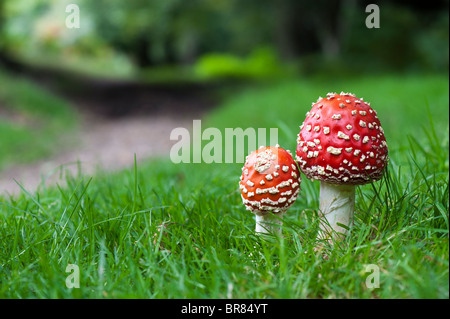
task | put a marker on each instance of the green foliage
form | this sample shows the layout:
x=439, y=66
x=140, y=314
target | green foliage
x=408, y=39
x=31, y=121
x=138, y=34
x=261, y=63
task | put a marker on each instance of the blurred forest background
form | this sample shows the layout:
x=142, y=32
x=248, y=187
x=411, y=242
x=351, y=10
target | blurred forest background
x=155, y=56
x=200, y=39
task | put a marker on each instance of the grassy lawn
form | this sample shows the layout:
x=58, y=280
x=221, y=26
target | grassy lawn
x=161, y=230
x=31, y=121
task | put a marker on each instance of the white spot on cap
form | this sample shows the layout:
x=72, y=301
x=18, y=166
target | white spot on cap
x=356, y=137
x=317, y=128
x=250, y=183
x=333, y=150
x=363, y=112
x=349, y=127
x=285, y=168
x=343, y=136
x=362, y=123
x=326, y=130
x=269, y=177
x=273, y=190
x=286, y=193
x=365, y=139
x=308, y=128
x=336, y=116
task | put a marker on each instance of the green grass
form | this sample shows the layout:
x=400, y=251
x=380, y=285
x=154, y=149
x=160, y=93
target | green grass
x=161, y=230
x=32, y=121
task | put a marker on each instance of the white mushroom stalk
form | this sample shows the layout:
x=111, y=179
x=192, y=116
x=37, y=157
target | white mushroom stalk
x=269, y=223
x=336, y=207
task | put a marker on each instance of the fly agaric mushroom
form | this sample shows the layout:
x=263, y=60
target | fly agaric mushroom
x=270, y=183
x=341, y=144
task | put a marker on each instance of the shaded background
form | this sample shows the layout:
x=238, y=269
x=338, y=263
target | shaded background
x=129, y=37
x=136, y=69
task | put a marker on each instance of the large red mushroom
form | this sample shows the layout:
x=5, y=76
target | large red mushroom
x=342, y=144
x=270, y=183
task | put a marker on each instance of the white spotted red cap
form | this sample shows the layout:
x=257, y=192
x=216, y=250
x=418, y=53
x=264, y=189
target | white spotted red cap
x=341, y=141
x=270, y=184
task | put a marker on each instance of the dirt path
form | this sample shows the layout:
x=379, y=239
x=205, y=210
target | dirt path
x=120, y=119
x=107, y=145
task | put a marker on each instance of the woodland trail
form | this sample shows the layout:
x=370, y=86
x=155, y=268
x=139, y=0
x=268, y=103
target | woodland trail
x=119, y=119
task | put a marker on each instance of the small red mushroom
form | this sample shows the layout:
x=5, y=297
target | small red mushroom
x=270, y=183
x=342, y=144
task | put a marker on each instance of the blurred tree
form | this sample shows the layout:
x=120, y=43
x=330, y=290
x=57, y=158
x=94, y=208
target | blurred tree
x=141, y=29
x=156, y=32
x=2, y=21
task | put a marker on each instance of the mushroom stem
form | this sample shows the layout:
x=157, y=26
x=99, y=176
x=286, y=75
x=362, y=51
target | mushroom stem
x=269, y=223
x=337, y=203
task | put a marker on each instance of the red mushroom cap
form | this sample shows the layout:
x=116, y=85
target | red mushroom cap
x=341, y=141
x=270, y=181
